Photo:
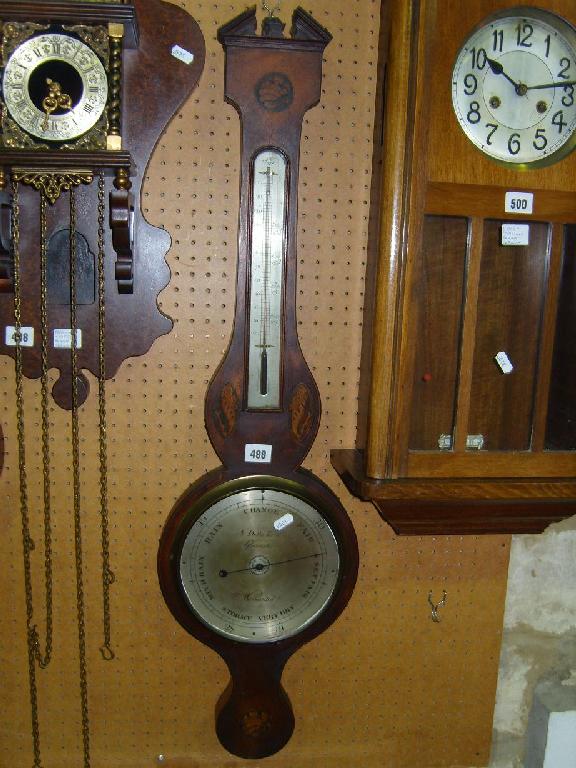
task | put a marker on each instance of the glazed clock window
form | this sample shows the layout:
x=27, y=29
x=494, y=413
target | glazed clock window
x=513, y=87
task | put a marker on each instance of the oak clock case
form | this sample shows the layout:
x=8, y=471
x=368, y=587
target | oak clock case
x=468, y=377
x=259, y=556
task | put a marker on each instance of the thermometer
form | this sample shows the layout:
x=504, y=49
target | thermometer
x=267, y=264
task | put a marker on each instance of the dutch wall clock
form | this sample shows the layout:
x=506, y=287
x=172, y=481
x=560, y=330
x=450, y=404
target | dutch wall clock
x=80, y=267
x=468, y=421
x=259, y=556
x=77, y=105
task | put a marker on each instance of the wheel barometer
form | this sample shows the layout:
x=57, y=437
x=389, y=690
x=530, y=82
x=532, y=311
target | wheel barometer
x=469, y=373
x=258, y=557
x=80, y=268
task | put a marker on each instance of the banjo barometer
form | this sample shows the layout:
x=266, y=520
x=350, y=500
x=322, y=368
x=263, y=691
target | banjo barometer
x=259, y=556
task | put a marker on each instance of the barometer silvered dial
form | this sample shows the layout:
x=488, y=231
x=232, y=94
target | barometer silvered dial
x=259, y=565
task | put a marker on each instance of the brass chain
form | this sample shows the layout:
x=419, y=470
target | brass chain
x=27, y=541
x=80, y=602
x=43, y=661
x=107, y=574
x=34, y=654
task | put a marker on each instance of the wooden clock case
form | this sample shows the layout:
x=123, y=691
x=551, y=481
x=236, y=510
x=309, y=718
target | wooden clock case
x=446, y=442
x=146, y=85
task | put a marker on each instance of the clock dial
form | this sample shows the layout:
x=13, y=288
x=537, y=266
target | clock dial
x=55, y=87
x=259, y=565
x=513, y=87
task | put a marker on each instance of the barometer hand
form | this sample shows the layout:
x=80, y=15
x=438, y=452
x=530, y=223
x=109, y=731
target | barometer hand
x=550, y=85
x=498, y=69
x=261, y=566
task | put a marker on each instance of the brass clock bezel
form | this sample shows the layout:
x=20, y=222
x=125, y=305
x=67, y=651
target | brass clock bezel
x=563, y=28
x=22, y=134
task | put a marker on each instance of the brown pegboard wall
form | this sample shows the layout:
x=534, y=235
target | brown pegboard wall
x=385, y=685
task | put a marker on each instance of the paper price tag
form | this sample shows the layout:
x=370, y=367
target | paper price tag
x=182, y=54
x=63, y=338
x=515, y=234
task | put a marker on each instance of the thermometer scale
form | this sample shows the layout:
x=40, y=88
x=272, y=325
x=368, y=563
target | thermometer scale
x=266, y=279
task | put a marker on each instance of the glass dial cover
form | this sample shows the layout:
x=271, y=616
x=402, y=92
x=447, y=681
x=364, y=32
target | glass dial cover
x=513, y=87
x=259, y=565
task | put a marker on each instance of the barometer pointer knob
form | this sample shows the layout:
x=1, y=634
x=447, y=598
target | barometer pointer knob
x=261, y=566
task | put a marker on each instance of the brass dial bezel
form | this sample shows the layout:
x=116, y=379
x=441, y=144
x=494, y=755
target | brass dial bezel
x=284, y=617
x=42, y=49
x=560, y=27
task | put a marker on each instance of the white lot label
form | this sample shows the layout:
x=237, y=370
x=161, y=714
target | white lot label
x=26, y=336
x=182, y=54
x=283, y=522
x=519, y=202
x=256, y=453
x=504, y=362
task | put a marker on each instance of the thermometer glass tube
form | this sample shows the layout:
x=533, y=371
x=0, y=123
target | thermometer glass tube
x=266, y=279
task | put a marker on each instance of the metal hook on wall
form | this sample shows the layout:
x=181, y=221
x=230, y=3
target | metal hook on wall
x=267, y=9
x=436, y=606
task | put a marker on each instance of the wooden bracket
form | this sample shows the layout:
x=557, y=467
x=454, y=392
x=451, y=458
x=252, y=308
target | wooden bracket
x=121, y=224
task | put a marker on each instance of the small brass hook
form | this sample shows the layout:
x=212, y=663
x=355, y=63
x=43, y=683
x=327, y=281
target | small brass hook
x=107, y=653
x=436, y=606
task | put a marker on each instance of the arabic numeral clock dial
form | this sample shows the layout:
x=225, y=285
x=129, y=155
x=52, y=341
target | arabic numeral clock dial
x=55, y=87
x=513, y=87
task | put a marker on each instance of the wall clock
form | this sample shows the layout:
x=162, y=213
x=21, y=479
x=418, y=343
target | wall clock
x=259, y=556
x=78, y=109
x=467, y=420
x=513, y=87
x=80, y=267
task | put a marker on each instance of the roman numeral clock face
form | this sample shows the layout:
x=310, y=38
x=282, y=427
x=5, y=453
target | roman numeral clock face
x=55, y=87
x=513, y=87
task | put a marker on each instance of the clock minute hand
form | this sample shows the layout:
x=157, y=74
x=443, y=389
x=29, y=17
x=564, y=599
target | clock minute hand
x=550, y=85
x=498, y=69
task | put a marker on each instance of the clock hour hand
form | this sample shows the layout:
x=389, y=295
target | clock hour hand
x=498, y=69
x=54, y=100
x=550, y=85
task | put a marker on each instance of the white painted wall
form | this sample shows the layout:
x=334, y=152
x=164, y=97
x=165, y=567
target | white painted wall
x=539, y=638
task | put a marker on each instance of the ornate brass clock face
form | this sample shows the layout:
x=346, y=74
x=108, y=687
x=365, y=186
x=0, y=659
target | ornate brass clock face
x=259, y=565
x=513, y=87
x=55, y=87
